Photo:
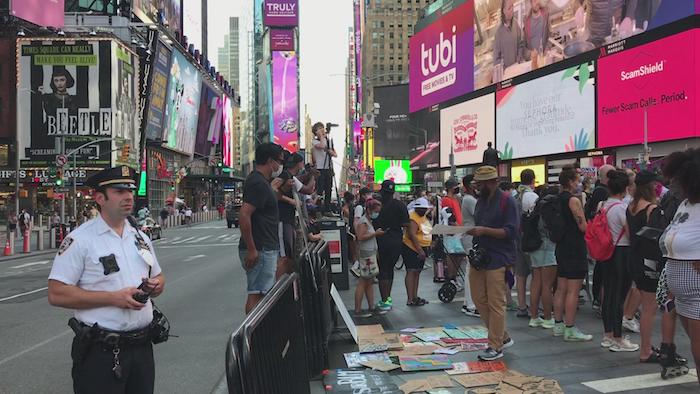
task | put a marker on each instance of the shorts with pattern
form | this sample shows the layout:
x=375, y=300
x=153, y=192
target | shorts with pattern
x=684, y=284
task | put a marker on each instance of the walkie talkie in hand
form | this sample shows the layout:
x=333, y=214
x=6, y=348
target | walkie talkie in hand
x=144, y=295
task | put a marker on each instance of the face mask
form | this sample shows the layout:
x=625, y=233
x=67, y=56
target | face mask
x=374, y=215
x=277, y=173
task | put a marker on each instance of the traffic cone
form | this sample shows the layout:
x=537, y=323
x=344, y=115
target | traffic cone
x=8, y=250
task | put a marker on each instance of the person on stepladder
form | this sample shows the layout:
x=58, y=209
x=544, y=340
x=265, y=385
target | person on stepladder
x=323, y=154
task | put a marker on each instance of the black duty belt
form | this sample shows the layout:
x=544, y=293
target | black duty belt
x=112, y=338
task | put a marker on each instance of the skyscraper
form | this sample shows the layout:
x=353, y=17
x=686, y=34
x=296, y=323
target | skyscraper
x=223, y=59
x=234, y=56
x=387, y=30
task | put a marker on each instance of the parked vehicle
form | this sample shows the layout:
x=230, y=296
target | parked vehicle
x=151, y=228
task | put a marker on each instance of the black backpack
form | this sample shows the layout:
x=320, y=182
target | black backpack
x=531, y=239
x=551, y=211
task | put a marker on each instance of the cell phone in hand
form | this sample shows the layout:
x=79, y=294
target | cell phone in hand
x=669, y=306
x=146, y=293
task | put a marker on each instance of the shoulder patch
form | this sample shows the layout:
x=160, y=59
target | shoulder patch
x=67, y=242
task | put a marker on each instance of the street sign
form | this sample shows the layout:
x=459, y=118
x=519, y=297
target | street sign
x=61, y=160
x=58, y=196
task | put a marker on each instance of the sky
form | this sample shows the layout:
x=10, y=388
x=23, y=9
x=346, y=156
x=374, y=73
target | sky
x=323, y=56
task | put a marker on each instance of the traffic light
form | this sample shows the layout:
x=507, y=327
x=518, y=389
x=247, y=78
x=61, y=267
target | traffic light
x=219, y=164
x=59, y=177
x=125, y=153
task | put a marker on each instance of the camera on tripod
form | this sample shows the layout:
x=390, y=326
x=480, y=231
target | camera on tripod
x=329, y=125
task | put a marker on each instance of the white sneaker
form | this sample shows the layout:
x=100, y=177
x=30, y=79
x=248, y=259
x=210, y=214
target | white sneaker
x=355, y=269
x=624, y=345
x=607, y=342
x=631, y=325
x=470, y=311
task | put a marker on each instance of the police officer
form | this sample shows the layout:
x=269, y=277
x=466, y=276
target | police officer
x=106, y=270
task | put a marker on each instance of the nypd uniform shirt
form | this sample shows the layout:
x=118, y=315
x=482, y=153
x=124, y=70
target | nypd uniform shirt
x=83, y=260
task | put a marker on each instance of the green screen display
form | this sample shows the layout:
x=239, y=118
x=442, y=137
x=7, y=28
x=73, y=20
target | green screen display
x=397, y=170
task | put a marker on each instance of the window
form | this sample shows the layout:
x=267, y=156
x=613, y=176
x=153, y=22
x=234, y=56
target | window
x=391, y=45
x=374, y=35
x=381, y=24
x=391, y=67
x=400, y=67
x=391, y=34
x=400, y=45
x=400, y=26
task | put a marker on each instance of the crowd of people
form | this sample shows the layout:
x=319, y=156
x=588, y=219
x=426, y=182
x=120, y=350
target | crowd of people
x=643, y=225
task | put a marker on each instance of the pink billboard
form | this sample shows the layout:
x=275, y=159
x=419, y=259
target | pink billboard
x=281, y=13
x=39, y=12
x=285, y=100
x=442, y=59
x=657, y=78
x=281, y=39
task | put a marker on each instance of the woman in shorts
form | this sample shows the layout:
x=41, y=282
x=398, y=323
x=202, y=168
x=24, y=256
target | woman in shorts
x=367, y=247
x=416, y=241
x=544, y=274
x=644, y=211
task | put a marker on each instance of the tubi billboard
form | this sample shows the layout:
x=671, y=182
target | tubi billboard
x=442, y=59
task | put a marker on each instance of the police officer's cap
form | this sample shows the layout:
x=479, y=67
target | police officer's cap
x=121, y=177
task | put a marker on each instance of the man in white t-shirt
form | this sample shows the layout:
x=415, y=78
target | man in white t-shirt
x=468, y=207
x=323, y=154
x=523, y=265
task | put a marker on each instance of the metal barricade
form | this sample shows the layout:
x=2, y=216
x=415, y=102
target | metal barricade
x=266, y=353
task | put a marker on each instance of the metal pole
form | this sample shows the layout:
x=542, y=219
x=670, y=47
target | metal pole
x=63, y=200
x=75, y=195
x=646, y=140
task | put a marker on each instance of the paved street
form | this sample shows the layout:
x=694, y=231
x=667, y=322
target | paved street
x=203, y=300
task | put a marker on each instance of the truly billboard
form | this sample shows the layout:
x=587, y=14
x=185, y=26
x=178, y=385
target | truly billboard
x=182, y=105
x=442, y=59
x=467, y=128
x=658, y=79
x=281, y=13
x=39, y=12
x=285, y=100
x=549, y=115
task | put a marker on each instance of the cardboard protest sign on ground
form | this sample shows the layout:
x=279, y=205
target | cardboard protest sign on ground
x=425, y=363
x=479, y=379
x=354, y=360
x=349, y=381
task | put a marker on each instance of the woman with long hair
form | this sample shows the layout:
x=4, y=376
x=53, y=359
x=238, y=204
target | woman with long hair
x=367, y=253
x=644, y=264
x=617, y=279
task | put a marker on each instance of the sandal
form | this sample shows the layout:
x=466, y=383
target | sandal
x=420, y=301
x=652, y=359
x=411, y=303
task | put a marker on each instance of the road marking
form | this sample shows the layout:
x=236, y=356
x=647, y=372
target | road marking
x=200, y=239
x=223, y=236
x=176, y=239
x=42, y=262
x=197, y=246
x=184, y=240
x=639, y=382
x=195, y=257
x=22, y=295
x=38, y=345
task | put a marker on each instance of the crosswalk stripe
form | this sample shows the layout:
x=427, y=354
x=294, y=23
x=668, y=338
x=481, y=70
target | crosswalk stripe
x=223, y=236
x=646, y=382
x=175, y=239
x=200, y=239
x=184, y=240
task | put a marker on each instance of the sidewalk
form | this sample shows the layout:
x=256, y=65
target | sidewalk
x=535, y=352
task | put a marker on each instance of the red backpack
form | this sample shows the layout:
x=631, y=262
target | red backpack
x=598, y=237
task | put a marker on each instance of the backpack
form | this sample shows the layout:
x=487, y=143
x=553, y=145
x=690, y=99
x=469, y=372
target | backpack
x=21, y=220
x=551, y=212
x=530, y=237
x=598, y=237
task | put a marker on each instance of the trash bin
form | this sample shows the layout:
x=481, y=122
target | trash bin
x=334, y=232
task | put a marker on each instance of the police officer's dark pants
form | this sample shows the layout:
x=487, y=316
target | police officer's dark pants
x=94, y=374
